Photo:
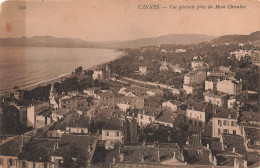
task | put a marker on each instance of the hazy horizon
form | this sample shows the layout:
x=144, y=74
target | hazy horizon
x=119, y=20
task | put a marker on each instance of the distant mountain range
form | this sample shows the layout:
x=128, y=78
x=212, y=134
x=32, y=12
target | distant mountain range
x=49, y=41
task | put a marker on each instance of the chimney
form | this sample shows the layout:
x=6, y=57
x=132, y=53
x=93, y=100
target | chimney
x=233, y=150
x=57, y=145
x=89, y=150
x=245, y=163
x=210, y=157
x=236, y=163
x=214, y=161
x=182, y=156
x=22, y=145
x=121, y=157
x=158, y=154
x=143, y=111
x=221, y=141
x=207, y=146
x=114, y=160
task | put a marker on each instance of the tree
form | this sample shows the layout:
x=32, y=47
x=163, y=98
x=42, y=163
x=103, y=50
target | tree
x=78, y=70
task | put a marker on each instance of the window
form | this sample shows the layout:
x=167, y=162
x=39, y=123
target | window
x=50, y=134
x=195, y=123
x=200, y=123
x=23, y=164
x=190, y=121
x=141, y=116
x=150, y=118
x=200, y=116
x=219, y=123
x=225, y=122
x=233, y=123
x=1, y=161
x=117, y=134
x=107, y=133
x=10, y=162
x=234, y=132
x=45, y=165
x=219, y=131
x=225, y=130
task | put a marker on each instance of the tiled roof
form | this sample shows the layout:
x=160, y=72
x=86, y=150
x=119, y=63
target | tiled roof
x=227, y=159
x=75, y=146
x=61, y=111
x=166, y=116
x=250, y=116
x=215, y=94
x=196, y=155
x=225, y=113
x=252, y=134
x=72, y=120
x=235, y=141
x=134, y=154
x=79, y=122
x=150, y=111
x=198, y=106
x=45, y=112
x=38, y=150
x=113, y=124
x=11, y=146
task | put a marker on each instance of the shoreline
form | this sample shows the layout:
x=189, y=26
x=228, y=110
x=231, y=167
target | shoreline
x=60, y=78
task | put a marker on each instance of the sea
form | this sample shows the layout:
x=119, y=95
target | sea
x=28, y=66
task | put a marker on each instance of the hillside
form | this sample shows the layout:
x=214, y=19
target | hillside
x=253, y=37
x=167, y=39
x=49, y=41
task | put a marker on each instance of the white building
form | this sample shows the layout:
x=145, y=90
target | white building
x=124, y=106
x=232, y=87
x=112, y=131
x=209, y=85
x=197, y=64
x=218, y=98
x=225, y=121
x=173, y=105
x=142, y=70
x=122, y=91
x=193, y=81
x=166, y=119
x=59, y=114
x=164, y=66
x=240, y=53
x=180, y=50
x=98, y=74
x=147, y=115
x=195, y=77
x=196, y=114
x=90, y=92
x=231, y=102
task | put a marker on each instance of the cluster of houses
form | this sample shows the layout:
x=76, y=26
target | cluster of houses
x=113, y=128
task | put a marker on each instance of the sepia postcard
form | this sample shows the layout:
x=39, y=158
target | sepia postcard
x=129, y=83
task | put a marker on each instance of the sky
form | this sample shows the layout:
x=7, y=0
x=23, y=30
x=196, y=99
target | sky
x=104, y=20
